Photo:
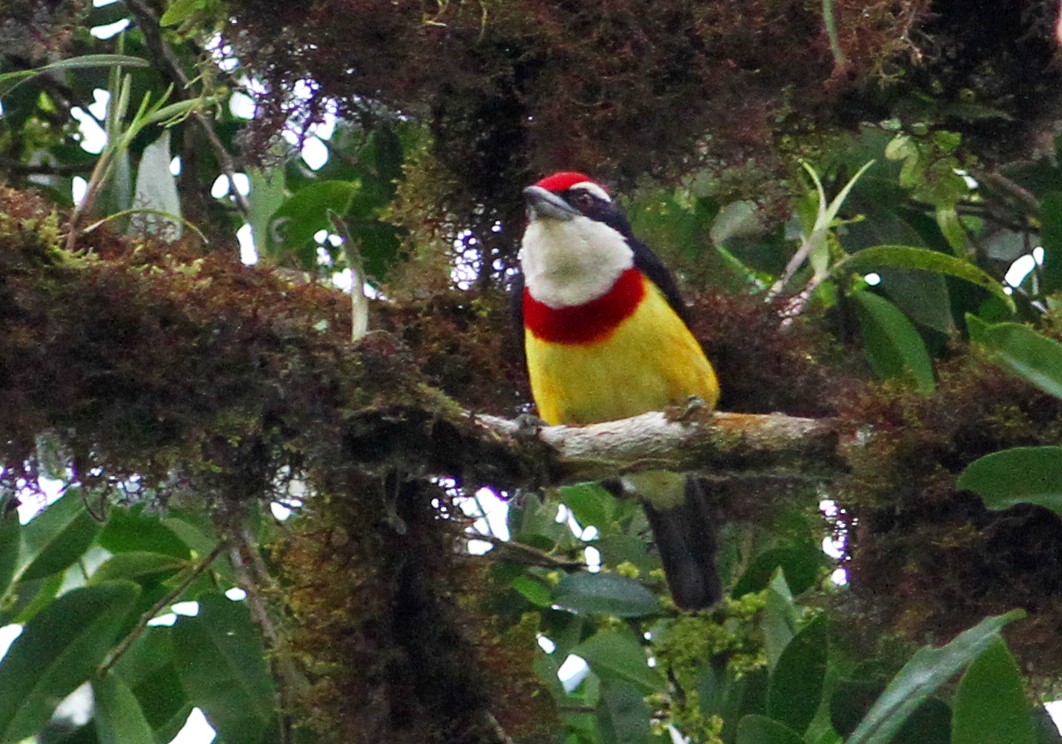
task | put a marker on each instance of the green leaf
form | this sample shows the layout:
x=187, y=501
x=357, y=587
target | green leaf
x=139, y=566
x=10, y=537
x=304, y=214
x=922, y=296
x=779, y=619
x=223, y=670
x=156, y=190
x=908, y=257
x=1022, y=475
x=618, y=656
x=11, y=80
x=148, y=669
x=893, y=346
x=58, y=650
x=56, y=537
x=119, y=719
x=926, y=672
x=795, y=688
x=800, y=564
x=604, y=593
x=590, y=503
x=132, y=530
x=1033, y=357
x=990, y=705
x=622, y=715
x=763, y=730
x=265, y=198
x=533, y=590
x=180, y=11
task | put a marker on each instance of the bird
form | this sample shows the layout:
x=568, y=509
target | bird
x=606, y=337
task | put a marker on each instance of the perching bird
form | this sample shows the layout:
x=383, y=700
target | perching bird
x=605, y=338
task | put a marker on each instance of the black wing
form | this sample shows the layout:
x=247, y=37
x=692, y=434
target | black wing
x=649, y=264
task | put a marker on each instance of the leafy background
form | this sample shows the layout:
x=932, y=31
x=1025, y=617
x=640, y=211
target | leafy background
x=863, y=203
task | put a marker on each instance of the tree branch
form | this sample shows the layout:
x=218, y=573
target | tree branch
x=704, y=441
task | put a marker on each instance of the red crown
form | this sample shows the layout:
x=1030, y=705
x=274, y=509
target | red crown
x=559, y=182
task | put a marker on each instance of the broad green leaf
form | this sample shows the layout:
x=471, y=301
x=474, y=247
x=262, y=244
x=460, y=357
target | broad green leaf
x=893, y=346
x=908, y=257
x=138, y=566
x=156, y=190
x=622, y=714
x=10, y=538
x=180, y=11
x=764, y=730
x=990, y=705
x=732, y=696
x=795, y=688
x=119, y=719
x=1022, y=475
x=56, y=537
x=304, y=214
x=533, y=590
x=26, y=598
x=590, y=503
x=926, y=672
x=922, y=296
x=132, y=530
x=148, y=669
x=604, y=593
x=1033, y=357
x=800, y=564
x=617, y=655
x=222, y=666
x=265, y=198
x=58, y=650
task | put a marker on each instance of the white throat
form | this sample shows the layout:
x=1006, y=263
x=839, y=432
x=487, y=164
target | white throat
x=570, y=262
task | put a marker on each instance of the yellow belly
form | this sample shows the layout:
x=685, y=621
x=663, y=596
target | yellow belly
x=649, y=362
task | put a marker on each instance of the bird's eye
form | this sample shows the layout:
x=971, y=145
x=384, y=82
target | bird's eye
x=582, y=199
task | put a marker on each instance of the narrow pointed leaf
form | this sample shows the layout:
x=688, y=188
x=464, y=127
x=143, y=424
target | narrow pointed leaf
x=893, y=345
x=1022, y=475
x=990, y=705
x=908, y=257
x=59, y=649
x=928, y=670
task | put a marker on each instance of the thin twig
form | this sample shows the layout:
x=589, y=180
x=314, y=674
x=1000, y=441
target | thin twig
x=156, y=608
x=526, y=554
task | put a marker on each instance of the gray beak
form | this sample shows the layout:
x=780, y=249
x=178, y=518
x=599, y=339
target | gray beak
x=543, y=203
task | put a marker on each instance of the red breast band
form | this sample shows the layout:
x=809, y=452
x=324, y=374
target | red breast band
x=581, y=324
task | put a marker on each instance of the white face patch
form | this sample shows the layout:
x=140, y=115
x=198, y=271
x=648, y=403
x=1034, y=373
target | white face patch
x=591, y=188
x=571, y=262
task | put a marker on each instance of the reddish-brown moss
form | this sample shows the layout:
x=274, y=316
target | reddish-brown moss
x=932, y=560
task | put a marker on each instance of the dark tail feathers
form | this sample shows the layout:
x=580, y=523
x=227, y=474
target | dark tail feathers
x=685, y=537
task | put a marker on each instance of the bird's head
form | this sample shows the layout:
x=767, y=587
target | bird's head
x=576, y=242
